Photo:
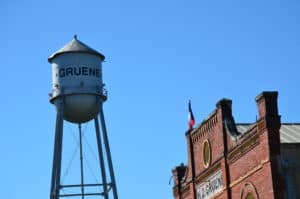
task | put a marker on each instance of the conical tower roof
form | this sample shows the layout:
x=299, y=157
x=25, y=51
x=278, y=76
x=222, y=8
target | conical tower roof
x=76, y=46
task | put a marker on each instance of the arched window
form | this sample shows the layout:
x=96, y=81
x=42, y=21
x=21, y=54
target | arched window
x=249, y=191
x=249, y=196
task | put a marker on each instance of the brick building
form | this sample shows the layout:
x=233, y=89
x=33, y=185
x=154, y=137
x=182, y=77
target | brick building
x=241, y=161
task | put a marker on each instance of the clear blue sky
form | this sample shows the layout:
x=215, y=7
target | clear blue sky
x=160, y=53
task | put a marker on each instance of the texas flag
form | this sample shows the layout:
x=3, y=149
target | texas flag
x=191, y=119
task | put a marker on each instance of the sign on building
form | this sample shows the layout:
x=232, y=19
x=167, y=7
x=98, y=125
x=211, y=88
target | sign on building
x=210, y=187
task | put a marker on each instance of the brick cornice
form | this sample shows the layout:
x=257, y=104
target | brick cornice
x=205, y=127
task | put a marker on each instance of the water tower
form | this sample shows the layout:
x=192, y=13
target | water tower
x=78, y=94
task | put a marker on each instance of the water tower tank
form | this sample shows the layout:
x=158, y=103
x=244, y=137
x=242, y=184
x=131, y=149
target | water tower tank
x=77, y=80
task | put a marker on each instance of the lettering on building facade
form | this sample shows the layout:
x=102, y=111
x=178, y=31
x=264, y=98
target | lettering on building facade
x=210, y=187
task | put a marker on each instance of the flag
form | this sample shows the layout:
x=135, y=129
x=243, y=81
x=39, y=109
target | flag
x=191, y=119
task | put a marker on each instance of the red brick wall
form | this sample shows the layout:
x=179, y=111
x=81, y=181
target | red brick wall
x=261, y=182
x=249, y=163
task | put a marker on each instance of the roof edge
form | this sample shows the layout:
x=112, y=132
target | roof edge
x=74, y=46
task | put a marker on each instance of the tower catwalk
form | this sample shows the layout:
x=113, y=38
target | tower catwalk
x=78, y=94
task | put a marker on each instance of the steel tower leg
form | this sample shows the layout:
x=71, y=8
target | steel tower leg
x=107, y=148
x=57, y=153
x=81, y=162
x=101, y=158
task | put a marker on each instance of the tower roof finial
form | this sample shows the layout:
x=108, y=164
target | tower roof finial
x=76, y=46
